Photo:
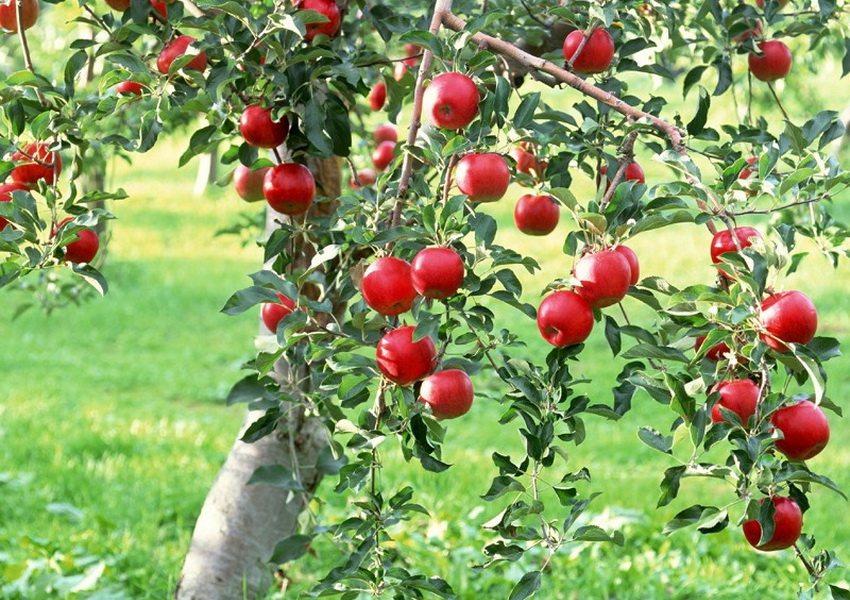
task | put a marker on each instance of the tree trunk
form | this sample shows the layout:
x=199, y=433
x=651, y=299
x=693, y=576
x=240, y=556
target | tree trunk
x=207, y=172
x=240, y=524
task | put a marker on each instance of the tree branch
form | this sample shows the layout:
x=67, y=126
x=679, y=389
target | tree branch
x=767, y=211
x=627, y=155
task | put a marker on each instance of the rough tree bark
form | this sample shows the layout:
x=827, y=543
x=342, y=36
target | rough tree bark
x=240, y=524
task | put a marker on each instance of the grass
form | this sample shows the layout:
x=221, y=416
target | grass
x=112, y=428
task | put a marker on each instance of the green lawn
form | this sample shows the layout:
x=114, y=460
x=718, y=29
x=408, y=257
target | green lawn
x=112, y=427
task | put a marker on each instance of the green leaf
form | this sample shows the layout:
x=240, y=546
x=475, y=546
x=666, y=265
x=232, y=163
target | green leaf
x=248, y=389
x=502, y=485
x=525, y=111
x=697, y=124
x=277, y=476
x=654, y=439
x=594, y=533
x=526, y=587
x=295, y=546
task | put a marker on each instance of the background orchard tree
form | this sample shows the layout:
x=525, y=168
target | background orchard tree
x=376, y=282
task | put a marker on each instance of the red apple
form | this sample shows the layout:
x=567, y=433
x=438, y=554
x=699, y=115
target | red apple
x=273, y=312
x=289, y=188
x=177, y=48
x=387, y=286
x=760, y=3
x=83, y=248
x=160, y=6
x=747, y=171
x=383, y=155
x=6, y=190
x=378, y=96
x=449, y=393
x=403, y=361
x=484, y=177
x=564, y=319
x=633, y=172
x=437, y=272
x=755, y=32
x=36, y=162
x=451, y=101
x=385, y=133
x=399, y=71
x=365, y=178
x=248, y=183
x=129, y=88
x=738, y=395
x=804, y=428
x=331, y=12
x=787, y=526
x=412, y=52
x=9, y=14
x=258, y=129
x=715, y=353
x=119, y=5
x=536, y=215
x=723, y=242
x=597, y=54
x=604, y=278
x=526, y=162
x=773, y=63
x=632, y=259
x=788, y=318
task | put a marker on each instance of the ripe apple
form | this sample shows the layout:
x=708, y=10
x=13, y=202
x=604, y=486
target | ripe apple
x=564, y=319
x=788, y=318
x=449, y=393
x=747, y=171
x=177, y=48
x=526, y=162
x=787, y=526
x=738, y=395
x=773, y=63
x=597, y=54
x=331, y=12
x=385, y=133
x=403, y=361
x=755, y=32
x=6, y=190
x=804, y=428
x=378, y=96
x=604, y=278
x=248, y=183
x=760, y=3
x=412, y=52
x=536, y=215
x=437, y=272
x=387, y=286
x=365, y=178
x=484, y=177
x=451, y=101
x=723, y=242
x=273, y=312
x=715, y=353
x=129, y=88
x=633, y=172
x=83, y=248
x=9, y=14
x=119, y=5
x=383, y=155
x=258, y=129
x=36, y=162
x=289, y=188
x=632, y=259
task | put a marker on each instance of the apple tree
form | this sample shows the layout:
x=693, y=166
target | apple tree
x=378, y=287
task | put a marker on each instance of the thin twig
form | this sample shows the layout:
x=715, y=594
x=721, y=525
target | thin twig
x=778, y=101
x=625, y=158
x=767, y=211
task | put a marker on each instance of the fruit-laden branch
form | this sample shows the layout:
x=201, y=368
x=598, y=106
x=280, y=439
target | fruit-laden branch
x=455, y=23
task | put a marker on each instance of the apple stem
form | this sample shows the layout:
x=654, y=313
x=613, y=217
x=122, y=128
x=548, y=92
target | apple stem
x=778, y=101
x=276, y=153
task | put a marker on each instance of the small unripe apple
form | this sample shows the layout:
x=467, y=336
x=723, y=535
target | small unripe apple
x=83, y=248
x=451, y=101
x=403, y=361
x=741, y=396
x=6, y=190
x=724, y=242
x=773, y=63
x=289, y=188
x=35, y=163
x=788, y=318
x=248, y=183
x=364, y=178
x=378, y=96
x=273, y=313
x=331, y=12
x=715, y=353
x=129, y=88
x=484, y=177
x=632, y=259
x=536, y=215
x=564, y=319
x=805, y=430
x=9, y=14
x=385, y=133
x=604, y=278
x=258, y=129
x=449, y=393
x=597, y=54
x=437, y=272
x=383, y=155
x=787, y=526
x=177, y=48
x=387, y=286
